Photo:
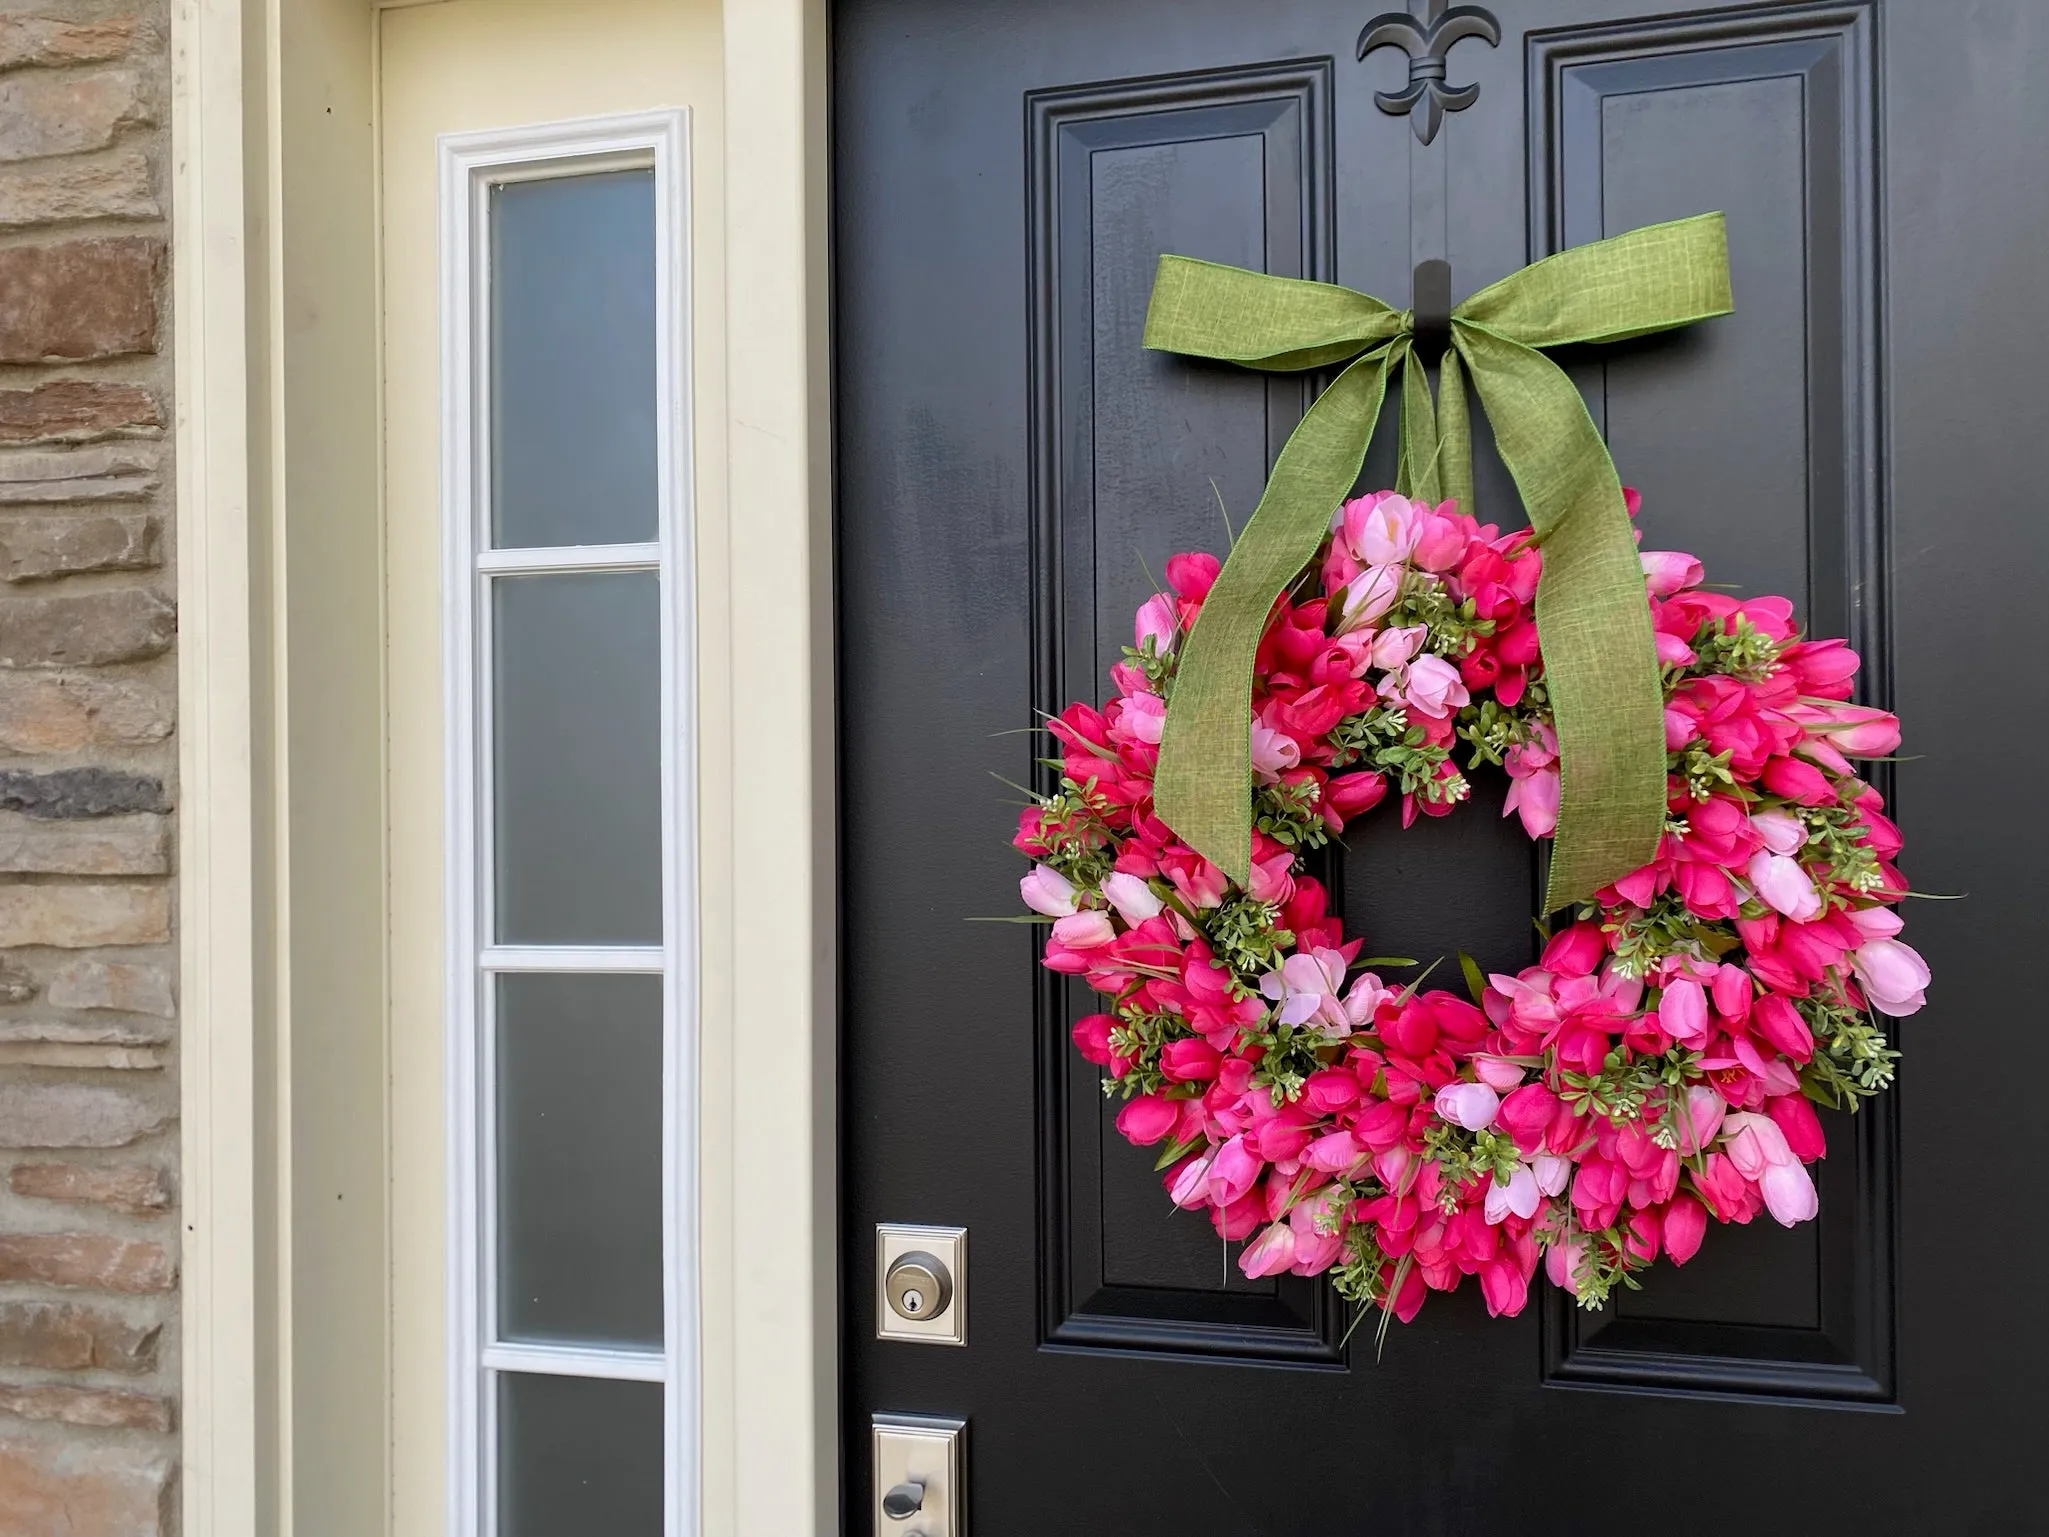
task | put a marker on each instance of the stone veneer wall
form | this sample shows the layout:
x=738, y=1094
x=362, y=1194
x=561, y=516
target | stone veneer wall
x=88, y=1066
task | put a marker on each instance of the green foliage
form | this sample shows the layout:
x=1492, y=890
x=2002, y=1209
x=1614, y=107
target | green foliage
x=1291, y=814
x=1245, y=935
x=1640, y=939
x=1735, y=647
x=1852, y=1060
x=1837, y=835
x=1463, y=1156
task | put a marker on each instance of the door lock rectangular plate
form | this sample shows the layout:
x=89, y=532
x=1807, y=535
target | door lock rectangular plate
x=919, y=1463
x=923, y=1313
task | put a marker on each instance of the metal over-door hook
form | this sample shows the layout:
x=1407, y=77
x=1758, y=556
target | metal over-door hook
x=1430, y=303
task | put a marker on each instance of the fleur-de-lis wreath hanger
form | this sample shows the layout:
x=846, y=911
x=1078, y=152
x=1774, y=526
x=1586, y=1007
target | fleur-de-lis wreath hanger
x=1426, y=98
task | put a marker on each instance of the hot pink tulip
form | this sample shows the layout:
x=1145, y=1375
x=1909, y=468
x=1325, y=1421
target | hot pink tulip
x=1576, y=951
x=1780, y=1023
x=1798, y=781
x=1683, y=1227
x=1798, y=1124
x=1440, y=542
x=1148, y=1118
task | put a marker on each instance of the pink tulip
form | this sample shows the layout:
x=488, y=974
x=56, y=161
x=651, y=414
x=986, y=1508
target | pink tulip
x=1534, y=798
x=1783, y=885
x=1562, y=1264
x=1732, y=989
x=1782, y=832
x=1337, y=1152
x=1143, y=718
x=1876, y=922
x=1271, y=1253
x=1857, y=730
x=1700, y=1118
x=1233, y=1172
x=1497, y=1073
x=1189, y=1187
x=1471, y=1105
x=1754, y=1143
x=1668, y=571
x=1132, y=897
x=1440, y=542
x=1157, y=622
x=1682, y=1010
x=1894, y=976
x=1685, y=1225
x=1519, y=1196
x=1047, y=891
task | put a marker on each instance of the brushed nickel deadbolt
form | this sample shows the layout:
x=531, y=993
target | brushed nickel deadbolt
x=921, y=1283
x=918, y=1286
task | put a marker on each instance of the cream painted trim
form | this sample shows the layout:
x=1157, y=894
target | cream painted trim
x=228, y=1368
x=781, y=1292
x=768, y=1187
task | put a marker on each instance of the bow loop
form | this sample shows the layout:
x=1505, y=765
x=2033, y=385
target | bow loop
x=1593, y=619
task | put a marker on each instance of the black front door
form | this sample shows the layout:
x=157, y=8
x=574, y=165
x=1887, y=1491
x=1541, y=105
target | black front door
x=1865, y=435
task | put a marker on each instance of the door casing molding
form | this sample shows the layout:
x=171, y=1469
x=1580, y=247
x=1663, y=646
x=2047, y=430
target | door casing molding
x=289, y=1226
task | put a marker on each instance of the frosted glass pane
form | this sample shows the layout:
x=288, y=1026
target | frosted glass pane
x=577, y=721
x=578, y=1457
x=573, y=360
x=580, y=1159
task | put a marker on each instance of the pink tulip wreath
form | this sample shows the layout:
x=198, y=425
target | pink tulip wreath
x=1658, y=1067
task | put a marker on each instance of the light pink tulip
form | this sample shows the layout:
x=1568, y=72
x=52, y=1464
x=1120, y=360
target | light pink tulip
x=1471, y=1105
x=1789, y=1193
x=1668, y=571
x=1534, y=798
x=1132, y=897
x=1783, y=885
x=1084, y=931
x=1520, y=1195
x=1876, y=922
x=1782, y=832
x=1366, y=597
x=1433, y=687
x=1047, y=891
x=1552, y=1172
x=1562, y=1262
x=1393, y=648
x=1683, y=1012
x=1273, y=753
x=1143, y=718
x=1754, y=1143
x=1893, y=974
x=1386, y=533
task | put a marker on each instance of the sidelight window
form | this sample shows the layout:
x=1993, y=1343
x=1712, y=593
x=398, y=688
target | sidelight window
x=571, y=937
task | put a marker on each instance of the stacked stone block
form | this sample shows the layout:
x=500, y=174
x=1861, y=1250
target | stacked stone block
x=88, y=1002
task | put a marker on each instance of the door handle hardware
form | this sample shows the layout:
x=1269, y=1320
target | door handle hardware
x=904, y=1501
x=918, y=1466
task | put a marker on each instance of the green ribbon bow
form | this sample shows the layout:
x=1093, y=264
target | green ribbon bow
x=1600, y=661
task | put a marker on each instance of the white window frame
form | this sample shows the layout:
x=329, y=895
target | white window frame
x=471, y=164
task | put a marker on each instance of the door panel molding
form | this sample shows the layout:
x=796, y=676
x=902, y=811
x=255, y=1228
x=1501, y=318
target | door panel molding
x=1106, y=166
x=1616, y=112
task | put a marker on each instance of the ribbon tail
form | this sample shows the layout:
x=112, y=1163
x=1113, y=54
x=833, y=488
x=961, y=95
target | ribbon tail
x=1202, y=788
x=1593, y=618
x=1454, y=435
x=1416, y=468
